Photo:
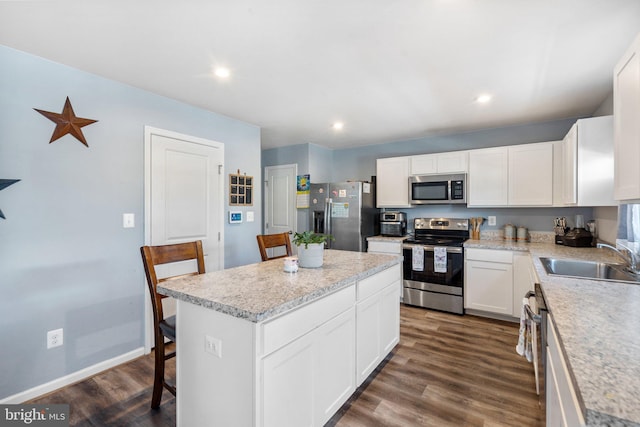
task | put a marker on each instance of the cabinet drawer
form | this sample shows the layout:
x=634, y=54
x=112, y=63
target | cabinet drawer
x=490, y=255
x=291, y=325
x=385, y=247
x=371, y=285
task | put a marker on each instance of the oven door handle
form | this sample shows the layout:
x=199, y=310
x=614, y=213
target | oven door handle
x=429, y=248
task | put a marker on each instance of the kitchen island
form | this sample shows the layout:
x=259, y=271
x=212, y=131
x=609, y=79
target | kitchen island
x=261, y=347
x=598, y=326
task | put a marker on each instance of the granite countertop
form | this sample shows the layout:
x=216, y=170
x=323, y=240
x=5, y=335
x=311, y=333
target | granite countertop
x=598, y=324
x=259, y=291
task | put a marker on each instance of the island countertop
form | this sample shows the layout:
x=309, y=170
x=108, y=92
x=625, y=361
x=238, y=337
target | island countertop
x=257, y=292
x=598, y=326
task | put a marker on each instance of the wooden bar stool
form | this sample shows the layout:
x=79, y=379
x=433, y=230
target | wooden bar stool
x=166, y=327
x=270, y=241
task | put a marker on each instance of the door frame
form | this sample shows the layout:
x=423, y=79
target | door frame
x=265, y=192
x=149, y=131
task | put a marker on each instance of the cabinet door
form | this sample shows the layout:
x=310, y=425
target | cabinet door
x=531, y=174
x=453, y=162
x=369, y=341
x=390, y=318
x=489, y=287
x=424, y=164
x=488, y=177
x=335, y=365
x=288, y=385
x=570, y=171
x=306, y=381
x=392, y=183
x=626, y=126
x=523, y=280
x=563, y=408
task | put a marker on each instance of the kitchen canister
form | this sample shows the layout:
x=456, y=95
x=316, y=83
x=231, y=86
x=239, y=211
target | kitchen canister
x=522, y=234
x=290, y=264
x=509, y=232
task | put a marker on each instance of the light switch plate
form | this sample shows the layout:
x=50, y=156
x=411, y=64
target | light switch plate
x=128, y=220
x=492, y=220
x=250, y=217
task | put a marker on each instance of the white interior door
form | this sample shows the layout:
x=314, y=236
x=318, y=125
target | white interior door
x=184, y=201
x=280, y=200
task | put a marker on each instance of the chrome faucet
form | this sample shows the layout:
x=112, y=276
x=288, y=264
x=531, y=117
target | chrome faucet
x=629, y=256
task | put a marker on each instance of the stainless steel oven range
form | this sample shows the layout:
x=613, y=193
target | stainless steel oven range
x=433, y=269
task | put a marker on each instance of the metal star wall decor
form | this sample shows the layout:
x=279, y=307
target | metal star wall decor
x=4, y=183
x=67, y=123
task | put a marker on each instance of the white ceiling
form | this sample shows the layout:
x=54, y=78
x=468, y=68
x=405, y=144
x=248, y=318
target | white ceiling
x=389, y=69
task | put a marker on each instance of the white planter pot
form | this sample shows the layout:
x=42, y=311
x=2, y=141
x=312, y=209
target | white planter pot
x=311, y=257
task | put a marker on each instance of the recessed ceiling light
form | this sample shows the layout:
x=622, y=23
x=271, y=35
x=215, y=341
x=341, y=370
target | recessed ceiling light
x=222, y=72
x=338, y=126
x=483, y=99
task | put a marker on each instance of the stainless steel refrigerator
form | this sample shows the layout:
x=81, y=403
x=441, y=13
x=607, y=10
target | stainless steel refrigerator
x=347, y=211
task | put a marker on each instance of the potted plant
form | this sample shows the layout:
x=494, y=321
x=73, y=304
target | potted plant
x=310, y=248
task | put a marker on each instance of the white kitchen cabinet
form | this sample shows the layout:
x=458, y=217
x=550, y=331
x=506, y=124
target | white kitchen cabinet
x=516, y=175
x=378, y=321
x=626, y=110
x=392, y=183
x=488, y=281
x=524, y=279
x=449, y=162
x=569, y=167
x=531, y=174
x=588, y=163
x=307, y=381
x=393, y=247
x=563, y=408
x=488, y=177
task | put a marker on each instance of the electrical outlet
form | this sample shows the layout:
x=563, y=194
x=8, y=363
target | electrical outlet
x=55, y=338
x=492, y=220
x=213, y=345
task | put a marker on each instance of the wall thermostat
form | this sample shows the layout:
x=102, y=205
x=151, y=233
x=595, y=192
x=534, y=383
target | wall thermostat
x=235, y=217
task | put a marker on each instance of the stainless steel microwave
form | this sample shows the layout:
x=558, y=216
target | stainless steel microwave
x=437, y=189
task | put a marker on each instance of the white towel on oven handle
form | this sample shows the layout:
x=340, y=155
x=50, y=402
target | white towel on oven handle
x=439, y=259
x=417, y=258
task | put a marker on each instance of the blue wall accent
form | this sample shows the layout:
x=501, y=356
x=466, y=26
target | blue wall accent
x=65, y=260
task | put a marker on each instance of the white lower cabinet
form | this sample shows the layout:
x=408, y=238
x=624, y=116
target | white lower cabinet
x=563, y=408
x=306, y=382
x=488, y=284
x=378, y=320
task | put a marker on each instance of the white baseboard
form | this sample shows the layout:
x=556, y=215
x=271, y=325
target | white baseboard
x=74, y=377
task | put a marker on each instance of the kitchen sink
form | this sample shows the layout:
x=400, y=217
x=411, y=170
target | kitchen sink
x=588, y=270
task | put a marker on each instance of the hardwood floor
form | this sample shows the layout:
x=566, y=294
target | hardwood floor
x=448, y=370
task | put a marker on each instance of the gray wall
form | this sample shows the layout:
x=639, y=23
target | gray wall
x=65, y=260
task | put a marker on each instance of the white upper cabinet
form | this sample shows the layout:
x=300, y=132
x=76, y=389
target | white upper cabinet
x=531, y=174
x=392, y=183
x=451, y=162
x=587, y=164
x=517, y=175
x=626, y=111
x=488, y=177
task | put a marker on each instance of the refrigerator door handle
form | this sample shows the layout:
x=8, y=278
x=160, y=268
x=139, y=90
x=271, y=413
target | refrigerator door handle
x=327, y=220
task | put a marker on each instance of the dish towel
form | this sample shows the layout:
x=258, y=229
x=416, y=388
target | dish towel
x=439, y=260
x=524, y=339
x=417, y=258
